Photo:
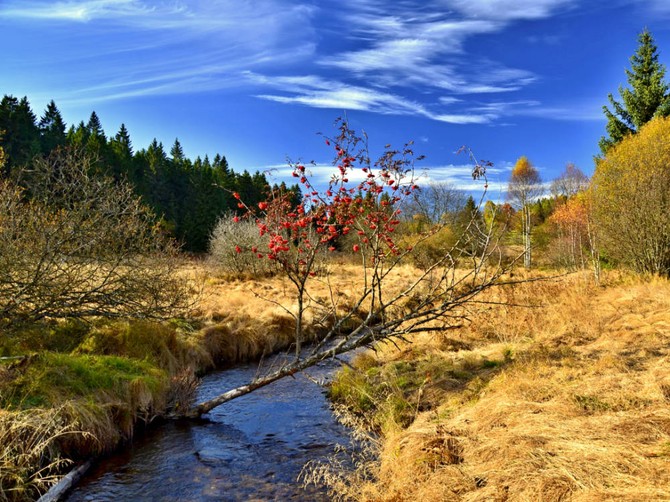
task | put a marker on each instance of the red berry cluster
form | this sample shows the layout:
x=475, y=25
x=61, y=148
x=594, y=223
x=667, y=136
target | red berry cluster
x=368, y=209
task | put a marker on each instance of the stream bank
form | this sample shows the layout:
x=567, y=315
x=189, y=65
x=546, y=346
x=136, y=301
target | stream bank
x=252, y=448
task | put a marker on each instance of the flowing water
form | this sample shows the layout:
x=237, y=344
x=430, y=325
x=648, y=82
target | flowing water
x=251, y=448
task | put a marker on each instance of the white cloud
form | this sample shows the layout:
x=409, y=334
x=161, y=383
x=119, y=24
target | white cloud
x=241, y=17
x=460, y=177
x=457, y=175
x=158, y=48
x=405, y=53
x=534, y=108
x=317, y=92
x=412, y=58
x=461, y=119
x=505, y=10
x=74, y=10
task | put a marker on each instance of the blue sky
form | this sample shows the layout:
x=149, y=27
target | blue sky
x=255, y=80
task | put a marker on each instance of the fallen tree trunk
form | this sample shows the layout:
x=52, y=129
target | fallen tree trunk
x=288, y=370
x=58, y=491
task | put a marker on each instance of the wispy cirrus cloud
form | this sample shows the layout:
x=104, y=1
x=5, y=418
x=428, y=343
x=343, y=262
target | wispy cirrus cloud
x=508, y=10
x=661, y=7
x=81, y=11
x=240, y=17
x=321, y=93
x=158, y=48
x=411, y=58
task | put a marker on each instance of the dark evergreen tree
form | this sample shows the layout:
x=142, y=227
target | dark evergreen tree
x=121, y=143
x=156, y=157
x=646, y=98
x=96, y=144
x=19, y=135
x=52, y=129
x=94, y=126
x=121, y=157
x=221, y=163
x=244, y=185
x=188, y=197
x=177, y=152
x=77, y=137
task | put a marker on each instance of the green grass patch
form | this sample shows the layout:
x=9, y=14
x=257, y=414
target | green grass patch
x=54, y=336
x=53, y=378
x=391, y=394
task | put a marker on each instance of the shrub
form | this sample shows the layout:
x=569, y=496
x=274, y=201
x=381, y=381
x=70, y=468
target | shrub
x=632, y=199
x=230, y=239
x=75, y=245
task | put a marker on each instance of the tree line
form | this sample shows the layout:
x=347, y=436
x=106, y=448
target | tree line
x=621, y=215
x=188, y=196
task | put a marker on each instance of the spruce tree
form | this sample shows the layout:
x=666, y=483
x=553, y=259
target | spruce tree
x=646, y=98
x=19, y=135
x=121, y=143
x=177, y=152
x=94, y=126
x=121, y=154
x=52, y=128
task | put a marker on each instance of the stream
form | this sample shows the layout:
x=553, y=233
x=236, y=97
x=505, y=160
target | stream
x=251, y=448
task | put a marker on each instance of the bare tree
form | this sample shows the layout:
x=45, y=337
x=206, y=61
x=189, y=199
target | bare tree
x=73, y=244
x=570, y=182
x=525, y=185
x=385, y=308
x=435, y=202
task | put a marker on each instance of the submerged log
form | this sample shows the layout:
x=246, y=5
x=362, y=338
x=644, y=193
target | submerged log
x=57, y=491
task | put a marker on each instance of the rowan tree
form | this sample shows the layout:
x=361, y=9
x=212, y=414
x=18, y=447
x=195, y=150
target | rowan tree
x=631, y=187
x=646, y=98
x=380, y=307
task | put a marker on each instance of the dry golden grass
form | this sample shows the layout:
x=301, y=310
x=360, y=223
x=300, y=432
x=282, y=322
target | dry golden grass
x=247, y=318
x=579, y=409
x=29, y=451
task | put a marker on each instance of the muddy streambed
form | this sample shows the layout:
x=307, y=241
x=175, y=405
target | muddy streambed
x=252, y=448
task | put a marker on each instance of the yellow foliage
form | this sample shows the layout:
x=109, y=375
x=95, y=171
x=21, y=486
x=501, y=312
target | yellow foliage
x=525, y=183
x=632, y=199
x=522, y=168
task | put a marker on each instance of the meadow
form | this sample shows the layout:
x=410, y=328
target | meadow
x=557, y=389
x=564, y=397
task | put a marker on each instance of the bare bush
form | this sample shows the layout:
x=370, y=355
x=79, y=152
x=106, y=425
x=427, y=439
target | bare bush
x=75, y=245
x=234, y=247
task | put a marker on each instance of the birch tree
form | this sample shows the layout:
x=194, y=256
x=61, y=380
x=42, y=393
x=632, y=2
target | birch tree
x=525, y=185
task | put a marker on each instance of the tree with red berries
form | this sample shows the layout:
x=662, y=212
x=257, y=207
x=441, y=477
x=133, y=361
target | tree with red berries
x=435, y=299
